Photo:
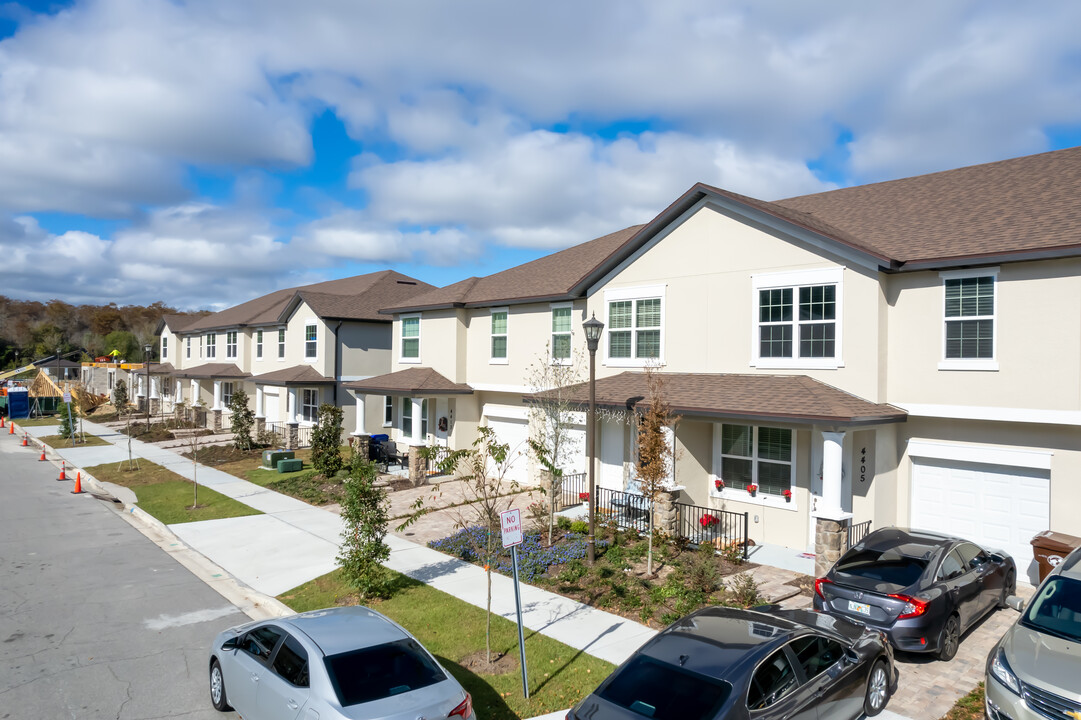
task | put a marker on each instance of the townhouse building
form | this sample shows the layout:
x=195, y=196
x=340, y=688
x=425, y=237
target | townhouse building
x=290, y=351
x=904, y=352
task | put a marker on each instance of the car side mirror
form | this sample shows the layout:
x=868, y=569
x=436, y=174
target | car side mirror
x=231, y=644
x=851, y=658
x=1016, y=603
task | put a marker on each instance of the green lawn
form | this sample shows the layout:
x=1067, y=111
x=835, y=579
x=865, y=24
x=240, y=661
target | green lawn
x=58, y=441
x=452, y=630
x=36, y=422
x=168, y=496
x=970, y=707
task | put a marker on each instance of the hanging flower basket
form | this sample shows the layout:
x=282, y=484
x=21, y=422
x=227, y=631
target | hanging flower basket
x=708, y=521
x=583, y=496
x=787, y=495
x=719, y=484
x=752, y=489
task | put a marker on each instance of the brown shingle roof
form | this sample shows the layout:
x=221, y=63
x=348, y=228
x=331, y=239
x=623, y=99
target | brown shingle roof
x=213, y=370
x=550, y=277
x=390, y=288
x=265, y=310
x=296, y=375
x=411, y=382
x=1026, y=204
x=783, y=398
x=155, y=369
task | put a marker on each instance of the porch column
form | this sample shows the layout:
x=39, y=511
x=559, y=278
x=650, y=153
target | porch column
x=196, y=392
x=360, y=413
x=260, y=402
x=178, y=395
x=417, y=439
x=217, y=395
x=154, y=388
x=832, y=444
x=291, y=411
x=139, y=386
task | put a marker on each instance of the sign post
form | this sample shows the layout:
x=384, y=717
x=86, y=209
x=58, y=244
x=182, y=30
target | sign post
x=510, y=525
x=67, y=401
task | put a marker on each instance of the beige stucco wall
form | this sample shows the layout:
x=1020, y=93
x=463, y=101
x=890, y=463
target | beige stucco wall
x=439, y=339
x=1038, y=347
x=365, y=349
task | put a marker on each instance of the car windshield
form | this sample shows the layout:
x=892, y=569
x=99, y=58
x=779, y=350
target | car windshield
x=888, y=566
x=1056, y=609
x=658, y=690
x=379, y=672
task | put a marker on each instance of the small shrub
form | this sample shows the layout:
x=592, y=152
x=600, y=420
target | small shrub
x=563, y=523
x=269, y=438
x=572, y=572
x=605, y=571
x=327, y=440
x=743, y=591
x=579, y=526
x=701, y=571
x=733, y=554
x=616, y=557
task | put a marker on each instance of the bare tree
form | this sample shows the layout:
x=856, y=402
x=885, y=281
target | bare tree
x=551, y=436
x=656, y=454
x=194, y=442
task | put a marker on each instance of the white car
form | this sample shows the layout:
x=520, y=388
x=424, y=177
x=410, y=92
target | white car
x=348, y=662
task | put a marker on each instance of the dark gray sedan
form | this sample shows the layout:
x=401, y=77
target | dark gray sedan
x=923, y=589
x=766, y=663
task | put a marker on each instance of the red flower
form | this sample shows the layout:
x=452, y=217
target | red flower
x=719, y=484
x=752, y=488
x=583, y=496
x=787, y=494
x=708, y=520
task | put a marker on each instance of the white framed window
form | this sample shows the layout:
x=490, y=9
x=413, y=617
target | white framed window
x=200, y=347
x=309, y=404
x=561, y=333
x=311, y=340
x=407, y=417
x=111, y=374
x=970, y=302
x=388, y=410
x=753, y=455
x=281, y=343
x=226, y=394
x=258, y=344
x=211, y=345
x=635, y=326
x=230, y=344
x=498, y=354
x=797, y=319
x=410, y=339
x=164, y=348
x=187, y=348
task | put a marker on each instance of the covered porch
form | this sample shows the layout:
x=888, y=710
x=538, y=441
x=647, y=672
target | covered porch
x=287, y=403
x=202, y=393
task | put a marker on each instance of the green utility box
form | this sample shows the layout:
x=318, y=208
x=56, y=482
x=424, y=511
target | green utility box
x=271, y=457
x=290, y=465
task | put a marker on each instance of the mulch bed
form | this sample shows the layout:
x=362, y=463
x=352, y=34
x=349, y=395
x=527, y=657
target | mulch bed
x=477, y=662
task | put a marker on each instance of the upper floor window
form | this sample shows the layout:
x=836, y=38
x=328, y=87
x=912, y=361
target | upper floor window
x=635, y=325
x=211, y=345
x=164, y=348
x=499, y=335
x=310, y=344
x=226, y=393
x=309, y=405
x=410, y=338
x=759, y=456
x=561, y=333
x=258, y=344
x=797, y=322
x=230, y=344
x=969, y=319
x=281, y=344
x=187, y=348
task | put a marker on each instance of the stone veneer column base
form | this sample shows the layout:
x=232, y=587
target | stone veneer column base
x=292, y=436
x=830, y=540
x=217, y=420
x=361, y=444
x=260, y=426
x=418, y=467
x=665, y=517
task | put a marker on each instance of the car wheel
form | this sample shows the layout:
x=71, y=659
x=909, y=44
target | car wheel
x=1008, y=588
x=878, y=690
x=951, y=639
x=217, y=688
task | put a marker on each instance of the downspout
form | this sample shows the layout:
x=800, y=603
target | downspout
x=337, y=360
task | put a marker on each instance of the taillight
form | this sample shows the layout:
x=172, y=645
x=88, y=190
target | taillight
x=464, y=709
x=912, y=608
x=818, y=586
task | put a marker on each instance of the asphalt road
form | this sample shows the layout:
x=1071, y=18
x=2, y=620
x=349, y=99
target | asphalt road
x=95, y=620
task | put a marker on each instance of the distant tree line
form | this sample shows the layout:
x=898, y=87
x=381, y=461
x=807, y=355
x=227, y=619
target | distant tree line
x=35, y=330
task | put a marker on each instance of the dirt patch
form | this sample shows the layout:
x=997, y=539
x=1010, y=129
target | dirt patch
x=502, y=663
x=221, y=454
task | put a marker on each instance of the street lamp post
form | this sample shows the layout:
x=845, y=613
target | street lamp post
x=146, y=362
x=592, y=328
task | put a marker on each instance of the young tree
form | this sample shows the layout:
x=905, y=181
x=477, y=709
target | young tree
x=242, y=421
x=365, y=514
x=327, y=440
x=120, y=396
x=656, y=459
x=551, y=431
x=483, y=468
x=194, y=442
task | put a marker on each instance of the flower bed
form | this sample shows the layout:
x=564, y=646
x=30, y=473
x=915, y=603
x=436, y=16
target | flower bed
x=534, y=558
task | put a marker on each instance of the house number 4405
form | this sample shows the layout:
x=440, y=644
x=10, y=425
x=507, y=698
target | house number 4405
x=863, y=464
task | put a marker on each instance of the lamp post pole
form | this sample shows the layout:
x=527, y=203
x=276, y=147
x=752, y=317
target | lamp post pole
x=592, y=328
x=146, y=362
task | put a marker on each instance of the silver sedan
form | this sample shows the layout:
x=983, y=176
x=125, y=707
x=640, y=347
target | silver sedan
x=348, y=662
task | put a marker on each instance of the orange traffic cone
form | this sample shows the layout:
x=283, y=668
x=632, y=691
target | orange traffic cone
x=2, y=419
x=63, y=473
x=11, y=429
x=42, y=453
x=78, y=484
x=24, y=440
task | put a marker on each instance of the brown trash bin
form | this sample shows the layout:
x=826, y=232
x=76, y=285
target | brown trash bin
x=1049, y=548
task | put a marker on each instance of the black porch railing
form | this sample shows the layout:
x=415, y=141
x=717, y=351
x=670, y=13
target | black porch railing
x=436, y=455
x=627, y=510
x=858, y=532
x=722, y=529
x=304, y=436
x=571, y=490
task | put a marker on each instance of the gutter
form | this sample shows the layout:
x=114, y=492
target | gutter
x=337, y=360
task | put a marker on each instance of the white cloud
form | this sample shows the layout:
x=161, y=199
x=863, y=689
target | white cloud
x=352, y=237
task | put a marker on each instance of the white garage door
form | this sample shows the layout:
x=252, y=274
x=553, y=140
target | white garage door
x=997, y=506
x=514, y=433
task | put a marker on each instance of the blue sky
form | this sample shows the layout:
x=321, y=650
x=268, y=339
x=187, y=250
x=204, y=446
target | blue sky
x=202, y=153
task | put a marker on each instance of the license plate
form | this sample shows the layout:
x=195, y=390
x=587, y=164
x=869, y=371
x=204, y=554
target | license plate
x=860, y=608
